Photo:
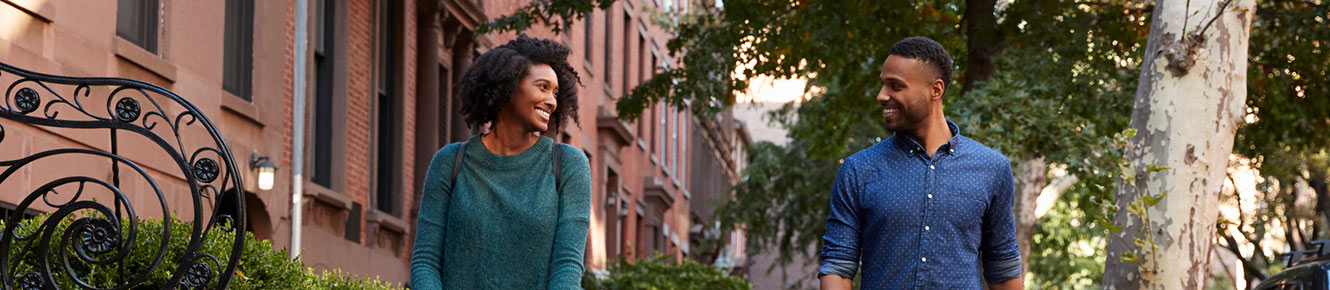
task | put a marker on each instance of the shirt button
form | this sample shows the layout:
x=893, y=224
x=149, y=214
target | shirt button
x=930, y=195
x=925, y=228
x=930, y=167
x=951, y=150
x=922, y=259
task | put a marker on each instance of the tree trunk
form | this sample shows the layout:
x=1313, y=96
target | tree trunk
x=1031, y=177
x=1188, y=104
x=982, y=40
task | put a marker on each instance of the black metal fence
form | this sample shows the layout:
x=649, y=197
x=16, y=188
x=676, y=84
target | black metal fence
x=98, y=235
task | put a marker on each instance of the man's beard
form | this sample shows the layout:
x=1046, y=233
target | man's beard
x=907, y=119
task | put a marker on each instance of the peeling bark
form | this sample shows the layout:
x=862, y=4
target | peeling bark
x=1185, y=122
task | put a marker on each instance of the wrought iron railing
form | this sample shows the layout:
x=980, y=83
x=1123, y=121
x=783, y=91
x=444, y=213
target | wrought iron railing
x=99, y=236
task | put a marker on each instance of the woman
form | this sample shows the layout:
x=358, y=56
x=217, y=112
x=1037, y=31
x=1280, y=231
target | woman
x=500, y=218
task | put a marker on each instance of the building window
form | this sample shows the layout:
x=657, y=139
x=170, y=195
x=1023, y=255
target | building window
x=683, y=146
x=586, y=38
x=8, y=209
x=664, y=142
x=648, y=60
x=613, y=220
x=136, y=21
x=386, y=141
x=609, y=37
x=674, y=140
x=238, y=49
x=323, y=38
x=628, y=30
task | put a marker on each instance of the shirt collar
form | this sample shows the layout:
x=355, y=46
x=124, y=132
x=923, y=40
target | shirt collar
x=909, y=145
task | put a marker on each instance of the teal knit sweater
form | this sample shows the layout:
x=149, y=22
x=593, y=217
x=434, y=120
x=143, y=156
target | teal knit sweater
x=504, y=225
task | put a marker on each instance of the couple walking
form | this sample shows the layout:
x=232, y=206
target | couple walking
x=509, y=209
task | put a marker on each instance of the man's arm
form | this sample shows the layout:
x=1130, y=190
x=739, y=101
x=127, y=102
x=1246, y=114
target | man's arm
x=1000, y=254
x=840, y=247
x=834, y=282
x=1011, y=284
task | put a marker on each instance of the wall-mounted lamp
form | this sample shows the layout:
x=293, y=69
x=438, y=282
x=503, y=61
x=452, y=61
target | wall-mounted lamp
x=267, y=170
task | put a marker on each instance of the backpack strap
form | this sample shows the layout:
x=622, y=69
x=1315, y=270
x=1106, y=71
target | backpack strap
x=457, y=163
x=557, y=152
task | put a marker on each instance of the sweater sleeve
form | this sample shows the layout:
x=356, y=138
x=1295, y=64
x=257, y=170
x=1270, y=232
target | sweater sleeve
x=570, y=234
x=427, y=255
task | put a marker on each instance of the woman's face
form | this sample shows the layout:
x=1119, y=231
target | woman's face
x=533, y=102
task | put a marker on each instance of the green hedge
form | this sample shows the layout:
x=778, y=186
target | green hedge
x=261, y=267
x=655, y=273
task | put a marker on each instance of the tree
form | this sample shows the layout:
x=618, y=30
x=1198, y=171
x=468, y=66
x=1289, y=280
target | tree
x=1188, y=106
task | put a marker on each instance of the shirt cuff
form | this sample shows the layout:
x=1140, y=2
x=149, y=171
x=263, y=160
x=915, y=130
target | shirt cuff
x=1002, y=270
x=843, y=268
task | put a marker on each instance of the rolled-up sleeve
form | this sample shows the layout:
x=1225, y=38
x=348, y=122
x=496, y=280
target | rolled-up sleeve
x=840, y=249
x=1000, y=252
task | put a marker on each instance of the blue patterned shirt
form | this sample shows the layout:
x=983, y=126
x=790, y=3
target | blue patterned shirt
x=923, y=223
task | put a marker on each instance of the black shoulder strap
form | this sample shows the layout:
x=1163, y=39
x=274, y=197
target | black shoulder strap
x=557, y=151
x=457, y=163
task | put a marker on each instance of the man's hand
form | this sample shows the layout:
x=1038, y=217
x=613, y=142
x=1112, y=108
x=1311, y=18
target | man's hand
x=1013, y=284
x=836, y=282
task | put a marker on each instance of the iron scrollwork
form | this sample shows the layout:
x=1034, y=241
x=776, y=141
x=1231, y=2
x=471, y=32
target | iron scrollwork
x=102, y=233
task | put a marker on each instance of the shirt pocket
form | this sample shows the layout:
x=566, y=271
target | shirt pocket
x=964, y=206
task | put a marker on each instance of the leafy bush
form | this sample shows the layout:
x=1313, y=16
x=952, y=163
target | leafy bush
x=655, y=273
x=261, y=267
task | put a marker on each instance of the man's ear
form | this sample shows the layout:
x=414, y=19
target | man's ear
x=936, y=89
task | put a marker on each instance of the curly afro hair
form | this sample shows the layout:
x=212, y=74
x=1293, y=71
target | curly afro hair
x=488, y=85
x=926, y=50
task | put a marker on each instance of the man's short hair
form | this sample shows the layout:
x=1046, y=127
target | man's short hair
x=928, y=51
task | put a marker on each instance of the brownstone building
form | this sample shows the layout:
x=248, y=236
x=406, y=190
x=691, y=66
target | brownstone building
x=350, y=99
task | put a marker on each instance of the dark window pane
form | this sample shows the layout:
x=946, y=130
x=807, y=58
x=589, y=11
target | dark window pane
x=386, y=193
x=237, y=51
x=628, y=31
x=586, y=23
x=323, y=97
x=136, y=21
x=609, y=20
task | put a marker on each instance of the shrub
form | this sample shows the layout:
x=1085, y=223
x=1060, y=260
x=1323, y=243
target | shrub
x=260, y=267
x=655, y=273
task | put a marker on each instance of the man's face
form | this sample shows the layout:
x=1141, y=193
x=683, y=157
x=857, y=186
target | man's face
x=907, y=85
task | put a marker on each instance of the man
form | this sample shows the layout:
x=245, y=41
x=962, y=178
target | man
x=926, y=207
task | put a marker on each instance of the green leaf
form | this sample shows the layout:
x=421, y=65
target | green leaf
x=1130, y=258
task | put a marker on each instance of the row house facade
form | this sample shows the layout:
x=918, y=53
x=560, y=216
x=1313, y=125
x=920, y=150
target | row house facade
x=372, y=85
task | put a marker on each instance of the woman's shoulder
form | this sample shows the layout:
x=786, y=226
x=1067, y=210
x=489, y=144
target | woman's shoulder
x=572, y=156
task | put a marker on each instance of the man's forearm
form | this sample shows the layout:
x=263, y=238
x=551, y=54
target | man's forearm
x=836, y=282
x=1012, y=284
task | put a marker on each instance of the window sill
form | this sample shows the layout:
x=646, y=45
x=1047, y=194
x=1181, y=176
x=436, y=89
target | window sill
x=386, y=221
x=149, y=61
x=240, y=106
x=687, y=195
x=641, y=144
x=328, y=196
x=590, y=68
x=37, y=9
